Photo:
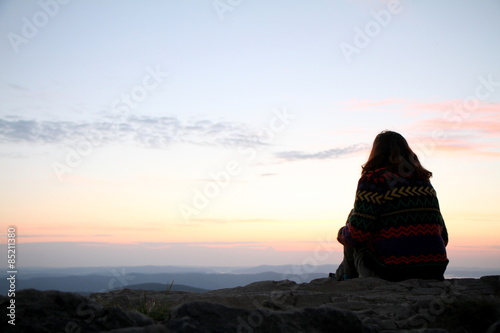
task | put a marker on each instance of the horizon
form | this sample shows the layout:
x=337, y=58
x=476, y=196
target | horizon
x=468, y=268
x=229, y=132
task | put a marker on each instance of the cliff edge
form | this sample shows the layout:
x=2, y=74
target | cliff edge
x=323, y=305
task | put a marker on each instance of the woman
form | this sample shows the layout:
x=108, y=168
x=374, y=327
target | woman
x=395, y=230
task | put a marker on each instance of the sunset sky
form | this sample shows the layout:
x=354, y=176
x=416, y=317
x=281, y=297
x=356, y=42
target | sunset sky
x=232, y=133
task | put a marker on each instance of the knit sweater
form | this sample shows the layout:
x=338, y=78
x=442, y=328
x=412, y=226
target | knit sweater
x=398, y=220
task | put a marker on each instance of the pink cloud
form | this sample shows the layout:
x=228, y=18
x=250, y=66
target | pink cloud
x=467, y=126
x=464, y=108
x=435, y=135
x=489, y=124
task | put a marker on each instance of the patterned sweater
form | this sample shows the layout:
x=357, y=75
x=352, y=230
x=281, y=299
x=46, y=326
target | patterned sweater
x=399, y=222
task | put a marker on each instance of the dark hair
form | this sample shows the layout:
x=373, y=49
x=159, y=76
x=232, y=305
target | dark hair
x=390, y=150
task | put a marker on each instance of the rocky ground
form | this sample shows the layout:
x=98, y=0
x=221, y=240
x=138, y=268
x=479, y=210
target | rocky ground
x=323, y=305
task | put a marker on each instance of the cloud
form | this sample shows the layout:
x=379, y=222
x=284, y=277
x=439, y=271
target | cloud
x=41, y=236
x=12, y=155
x=461, y=129
x=14, y=86
x=145, y=131
x=322, y=155
x=463, y=107
x=268, y=174
x=447, y=109
x=212, y=221
x=480, y=124
x=470, y=126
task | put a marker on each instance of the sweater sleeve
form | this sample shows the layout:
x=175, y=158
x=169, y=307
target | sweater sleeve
x=361, y=224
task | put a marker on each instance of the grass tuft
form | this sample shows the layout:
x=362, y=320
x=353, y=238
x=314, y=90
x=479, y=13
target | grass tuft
x=156, y=308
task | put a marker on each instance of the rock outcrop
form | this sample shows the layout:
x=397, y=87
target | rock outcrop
x=323, y=305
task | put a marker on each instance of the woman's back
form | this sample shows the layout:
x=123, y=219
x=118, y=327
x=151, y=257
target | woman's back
x=401, y=218
x=396, y=226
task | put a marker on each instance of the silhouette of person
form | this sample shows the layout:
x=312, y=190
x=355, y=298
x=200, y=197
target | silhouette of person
x=395, y=230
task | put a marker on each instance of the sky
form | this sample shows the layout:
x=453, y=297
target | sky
x=232, y=132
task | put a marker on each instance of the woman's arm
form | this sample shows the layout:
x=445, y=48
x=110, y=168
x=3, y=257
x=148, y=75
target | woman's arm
x=361, y=226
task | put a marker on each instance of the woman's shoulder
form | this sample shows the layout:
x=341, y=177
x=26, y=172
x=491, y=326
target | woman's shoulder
x=380, y=175
x=391, y=177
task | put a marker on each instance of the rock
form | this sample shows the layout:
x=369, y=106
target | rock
x=323, y=305
x=55, y=311
x=148, y=329
x=112, y=318
x=493, y=281
x=207, y=317
x=495, y=328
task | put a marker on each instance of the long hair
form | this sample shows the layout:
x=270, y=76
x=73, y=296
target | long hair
x=391, y=150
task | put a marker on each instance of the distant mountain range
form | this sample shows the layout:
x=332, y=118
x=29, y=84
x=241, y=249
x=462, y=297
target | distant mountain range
x=165, y=288
x=86, y=280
